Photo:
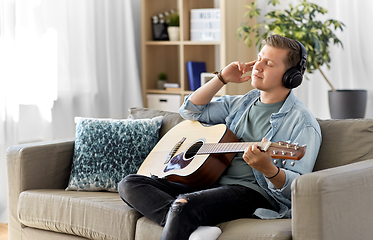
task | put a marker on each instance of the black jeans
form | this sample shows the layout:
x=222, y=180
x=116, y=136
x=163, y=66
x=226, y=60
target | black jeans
x=182, y=209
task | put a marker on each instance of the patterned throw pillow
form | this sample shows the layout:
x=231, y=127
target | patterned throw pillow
x=106, y=150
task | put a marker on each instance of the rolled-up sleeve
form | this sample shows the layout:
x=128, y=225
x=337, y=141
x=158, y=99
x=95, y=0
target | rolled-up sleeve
x=310, y=137
x=213, y=113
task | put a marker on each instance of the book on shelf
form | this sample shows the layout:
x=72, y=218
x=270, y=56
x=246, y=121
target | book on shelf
x=194, y=70
x=171, y=85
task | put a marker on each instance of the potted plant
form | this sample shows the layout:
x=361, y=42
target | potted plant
x=173, y=22
x=162, y=79
x=301, y=23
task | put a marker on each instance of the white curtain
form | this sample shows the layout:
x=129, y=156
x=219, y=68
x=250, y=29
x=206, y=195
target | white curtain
x=351, y=65
x=60, y=59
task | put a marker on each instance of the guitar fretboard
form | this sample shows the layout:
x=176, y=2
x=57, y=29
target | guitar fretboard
x=233, y=147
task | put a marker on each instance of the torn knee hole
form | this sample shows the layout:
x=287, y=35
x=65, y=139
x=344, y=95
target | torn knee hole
x=181, y=200
x=178, y=204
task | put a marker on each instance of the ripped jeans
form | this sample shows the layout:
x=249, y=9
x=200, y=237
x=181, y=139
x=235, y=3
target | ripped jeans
x=182, y=209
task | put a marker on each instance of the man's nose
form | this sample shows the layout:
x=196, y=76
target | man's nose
x=258, y=66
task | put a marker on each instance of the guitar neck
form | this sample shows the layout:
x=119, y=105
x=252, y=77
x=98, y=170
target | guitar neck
x=231, y=147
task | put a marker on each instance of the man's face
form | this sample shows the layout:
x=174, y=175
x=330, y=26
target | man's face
x=269, y=69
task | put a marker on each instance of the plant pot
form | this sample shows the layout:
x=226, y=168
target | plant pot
x=160, y=83
x=344, y=104
x=174, y=33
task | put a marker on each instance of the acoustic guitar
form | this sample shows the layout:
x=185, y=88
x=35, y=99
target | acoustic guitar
x=196, y=155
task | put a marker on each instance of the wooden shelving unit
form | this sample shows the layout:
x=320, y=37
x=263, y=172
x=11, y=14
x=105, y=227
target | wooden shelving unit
x=171, y=56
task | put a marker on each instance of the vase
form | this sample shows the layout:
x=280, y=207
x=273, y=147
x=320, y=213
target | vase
x=344, y=104
x=174, y=33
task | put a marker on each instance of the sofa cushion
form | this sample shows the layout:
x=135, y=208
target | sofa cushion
x=170, y=119
x=344, y=141
x=146, y=229
x=39, y=234
x=246, y=228
x=94, y=215
x=106, y=150
x=240, y=229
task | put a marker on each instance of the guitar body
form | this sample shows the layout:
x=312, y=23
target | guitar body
x=196, y=170
x=196, y=155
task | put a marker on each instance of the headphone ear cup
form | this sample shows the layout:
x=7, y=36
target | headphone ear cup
x=292, y=78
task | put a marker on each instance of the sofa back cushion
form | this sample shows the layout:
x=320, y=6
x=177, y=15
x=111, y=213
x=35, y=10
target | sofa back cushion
x=344, y=141
x=170, y=119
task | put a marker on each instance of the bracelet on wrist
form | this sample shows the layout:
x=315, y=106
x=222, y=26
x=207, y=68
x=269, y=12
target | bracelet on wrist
x=220, y=77
x=278, y=171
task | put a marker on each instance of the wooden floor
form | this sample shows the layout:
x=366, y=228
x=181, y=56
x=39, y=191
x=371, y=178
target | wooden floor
x=3, y=231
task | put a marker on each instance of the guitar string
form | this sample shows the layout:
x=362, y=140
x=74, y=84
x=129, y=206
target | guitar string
x=224, y=147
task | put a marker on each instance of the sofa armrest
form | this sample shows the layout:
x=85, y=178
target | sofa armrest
x=335, y=203
x=34, y=166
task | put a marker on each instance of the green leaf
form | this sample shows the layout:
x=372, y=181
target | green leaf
x=300, y=22
x=273, y=2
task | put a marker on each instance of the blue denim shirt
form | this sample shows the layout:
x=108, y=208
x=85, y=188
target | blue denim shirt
x=293, y=122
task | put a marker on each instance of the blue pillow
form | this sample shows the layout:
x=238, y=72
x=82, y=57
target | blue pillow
x=106, y=150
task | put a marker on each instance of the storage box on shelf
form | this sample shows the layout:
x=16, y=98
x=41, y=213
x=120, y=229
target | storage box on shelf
x=164, y=102
x=171, y=56
x=205, y=24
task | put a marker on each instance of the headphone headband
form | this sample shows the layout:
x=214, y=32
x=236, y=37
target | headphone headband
x=293, y=77
x=303, y=58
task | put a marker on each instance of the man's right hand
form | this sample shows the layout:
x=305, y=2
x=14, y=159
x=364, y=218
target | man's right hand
x=234, y=71
x=231, y=73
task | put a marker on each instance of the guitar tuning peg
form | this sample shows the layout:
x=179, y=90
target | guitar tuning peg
x=292, y=163
x=288, y=141
x=275, y=161
x=284, y=162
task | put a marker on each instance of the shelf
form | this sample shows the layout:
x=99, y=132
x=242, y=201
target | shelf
x=201, y=42
x=197, y=43
x=171, y=56
x=159, y=91
x=162, y=43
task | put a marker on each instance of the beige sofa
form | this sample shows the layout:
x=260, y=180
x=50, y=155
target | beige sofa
x=334, y=202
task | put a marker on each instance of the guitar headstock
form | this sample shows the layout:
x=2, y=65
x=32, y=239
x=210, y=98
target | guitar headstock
x=286, y=150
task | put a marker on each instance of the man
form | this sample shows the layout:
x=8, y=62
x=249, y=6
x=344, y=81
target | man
x=253, y=185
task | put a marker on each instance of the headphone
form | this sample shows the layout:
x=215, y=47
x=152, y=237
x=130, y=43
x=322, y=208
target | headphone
x=293, y=77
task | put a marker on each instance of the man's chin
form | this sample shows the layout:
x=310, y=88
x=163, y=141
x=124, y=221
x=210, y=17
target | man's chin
x=255, y=83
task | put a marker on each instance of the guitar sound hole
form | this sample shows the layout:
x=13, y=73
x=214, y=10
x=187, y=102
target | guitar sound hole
x=193, y=150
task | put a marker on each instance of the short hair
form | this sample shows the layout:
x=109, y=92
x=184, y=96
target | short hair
x=277, y=41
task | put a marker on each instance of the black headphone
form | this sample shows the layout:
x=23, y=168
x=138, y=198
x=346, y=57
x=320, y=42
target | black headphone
x=293, y=77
